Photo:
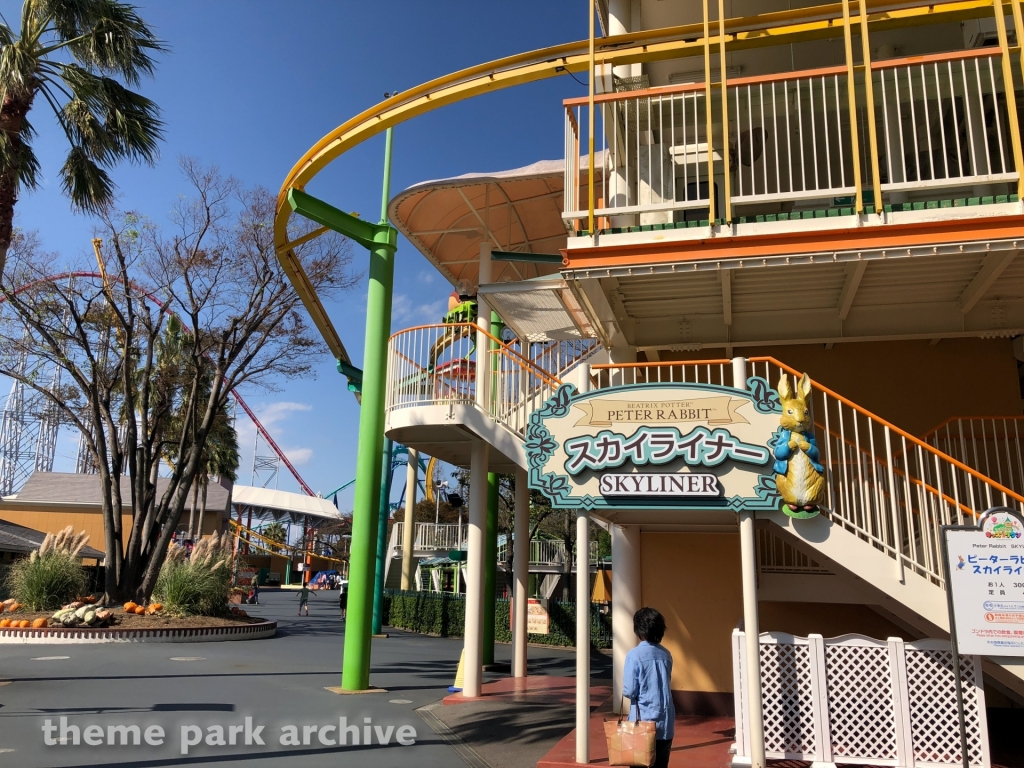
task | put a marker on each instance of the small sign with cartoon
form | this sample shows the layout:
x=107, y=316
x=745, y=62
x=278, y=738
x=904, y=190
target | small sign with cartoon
x=986, y=565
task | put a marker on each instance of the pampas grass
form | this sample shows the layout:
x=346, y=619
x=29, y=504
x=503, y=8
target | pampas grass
x=52, y=575
x=196, y=585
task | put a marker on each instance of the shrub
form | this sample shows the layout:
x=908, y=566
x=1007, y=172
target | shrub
x=52, y=575
x=444, y=614
x=196, y=585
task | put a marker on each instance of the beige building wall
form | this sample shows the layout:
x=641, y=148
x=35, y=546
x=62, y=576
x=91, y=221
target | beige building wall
x=694, y=580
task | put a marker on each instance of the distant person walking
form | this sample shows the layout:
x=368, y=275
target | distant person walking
x=304, y=594
x=343, y=598
x=255, y=590
x=646, y=682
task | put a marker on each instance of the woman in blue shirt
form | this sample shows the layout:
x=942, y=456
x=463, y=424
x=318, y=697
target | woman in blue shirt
x=646, y=682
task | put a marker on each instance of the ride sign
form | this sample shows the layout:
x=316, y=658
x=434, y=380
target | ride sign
x=656, y=446
x=986, y=581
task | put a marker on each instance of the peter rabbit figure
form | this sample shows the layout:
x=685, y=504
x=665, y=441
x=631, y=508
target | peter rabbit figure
x=798, y=470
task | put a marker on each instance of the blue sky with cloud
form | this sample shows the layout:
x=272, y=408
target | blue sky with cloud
x=250, y=86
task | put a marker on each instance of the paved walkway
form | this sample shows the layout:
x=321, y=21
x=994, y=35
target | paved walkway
x=277, y=682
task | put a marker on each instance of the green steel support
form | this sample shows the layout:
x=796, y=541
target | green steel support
x=384, y=512
x=382, y=241
x=491, y=536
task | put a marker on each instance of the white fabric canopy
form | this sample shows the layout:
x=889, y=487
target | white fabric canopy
x=283, y=502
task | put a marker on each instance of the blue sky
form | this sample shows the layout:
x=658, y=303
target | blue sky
x=251, y=85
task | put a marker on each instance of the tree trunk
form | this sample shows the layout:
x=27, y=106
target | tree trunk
x=12, y=121
x=202, y=508
x=192, y=513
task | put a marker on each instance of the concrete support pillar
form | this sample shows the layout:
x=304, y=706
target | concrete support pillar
x=409, y=529
x=582, y=637
x=625, y=600
x=474, y=642
x=751, y=630
x=521, y=569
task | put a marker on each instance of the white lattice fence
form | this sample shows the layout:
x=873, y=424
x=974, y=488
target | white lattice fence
x=853, y=699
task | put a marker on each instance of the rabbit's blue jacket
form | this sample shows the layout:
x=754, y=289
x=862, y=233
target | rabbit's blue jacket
x=783, y=453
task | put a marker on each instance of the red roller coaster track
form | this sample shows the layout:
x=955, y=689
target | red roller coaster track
x=238, y=398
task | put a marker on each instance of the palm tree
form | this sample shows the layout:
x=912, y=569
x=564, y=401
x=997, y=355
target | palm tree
x=219, y=459
x=70, y=52
x=276, y=532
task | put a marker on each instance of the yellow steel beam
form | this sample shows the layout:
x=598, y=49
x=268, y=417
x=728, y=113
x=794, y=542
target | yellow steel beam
x=769, y=29
x=851, y=95
x=727, y=180
x=869, y=99
x=712, y=213
x=1011, y=101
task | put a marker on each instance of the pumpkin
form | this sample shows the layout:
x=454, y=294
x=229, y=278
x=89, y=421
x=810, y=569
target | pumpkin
x=14, y=607
x=139, y=610
x=2, y=607
x=130, y=607
x=157, y=606
x=5, y=622
x=38, y=623
x=24, y=624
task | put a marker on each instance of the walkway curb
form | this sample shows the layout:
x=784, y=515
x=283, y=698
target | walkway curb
x=78, y=635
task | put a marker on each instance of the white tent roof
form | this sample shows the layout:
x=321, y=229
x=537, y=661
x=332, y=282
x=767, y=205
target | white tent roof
x=283, y=501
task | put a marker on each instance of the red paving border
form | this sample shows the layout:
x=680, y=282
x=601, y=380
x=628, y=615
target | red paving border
x=700, y=742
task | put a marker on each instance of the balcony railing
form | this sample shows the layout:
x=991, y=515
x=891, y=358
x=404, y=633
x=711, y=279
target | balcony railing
x=439, y=536
x=548, y=552
x=941, y=121
x=431, y=536
x=437, y=365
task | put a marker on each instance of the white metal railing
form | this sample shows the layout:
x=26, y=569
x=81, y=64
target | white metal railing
x=442, y=536
x=437, y=365
x=547, y=552
x=943, y=123
x=884, y=485
x=792, y=144
x=856, y=700
x=653, y=153
x=991, y=445
x=777, y=556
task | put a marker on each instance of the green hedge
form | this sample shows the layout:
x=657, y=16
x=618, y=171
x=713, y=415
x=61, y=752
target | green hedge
x=444, y=615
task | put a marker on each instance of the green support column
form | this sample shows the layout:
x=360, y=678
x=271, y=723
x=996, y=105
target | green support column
x=382, y=241
x=382, y=532
x=355, y=674
x=491, y=535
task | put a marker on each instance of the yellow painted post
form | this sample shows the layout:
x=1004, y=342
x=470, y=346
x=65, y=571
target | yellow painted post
x=869, y=96
x=727, y=190
x=1011, y=102
x=851, y=97
x=590, y=140
x=1018, y=25
x=709, y=122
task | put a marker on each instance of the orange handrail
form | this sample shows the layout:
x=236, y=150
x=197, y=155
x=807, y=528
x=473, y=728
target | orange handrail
x=846, y=401
x=503, y=347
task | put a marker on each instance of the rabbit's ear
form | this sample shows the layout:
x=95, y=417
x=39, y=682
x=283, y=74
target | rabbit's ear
x=805, y=385
x=784, y=391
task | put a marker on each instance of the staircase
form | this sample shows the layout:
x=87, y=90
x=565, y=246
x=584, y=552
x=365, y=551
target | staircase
x=888, y=491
